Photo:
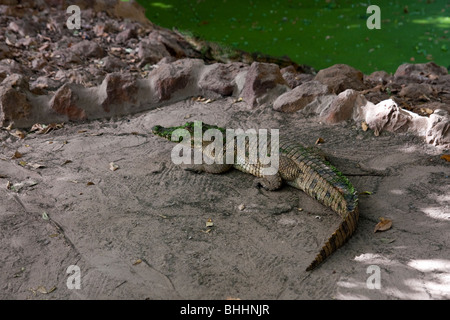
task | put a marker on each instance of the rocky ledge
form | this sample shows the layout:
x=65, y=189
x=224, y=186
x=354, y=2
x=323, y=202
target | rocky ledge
x=118, y=63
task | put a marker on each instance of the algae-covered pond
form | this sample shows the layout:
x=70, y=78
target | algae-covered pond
x=318, y=33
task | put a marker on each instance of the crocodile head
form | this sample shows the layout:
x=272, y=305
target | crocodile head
x=166, y=132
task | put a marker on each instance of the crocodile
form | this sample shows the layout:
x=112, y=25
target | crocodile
x=298, y=166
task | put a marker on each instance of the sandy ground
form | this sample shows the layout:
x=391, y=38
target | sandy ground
x=139, y=232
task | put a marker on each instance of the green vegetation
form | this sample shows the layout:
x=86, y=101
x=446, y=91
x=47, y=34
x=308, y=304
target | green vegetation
x=319, y=33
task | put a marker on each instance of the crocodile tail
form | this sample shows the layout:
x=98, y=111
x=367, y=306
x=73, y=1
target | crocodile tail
x=338, y=238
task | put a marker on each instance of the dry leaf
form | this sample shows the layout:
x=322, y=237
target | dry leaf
x=383, y=225
x=19, y=134
x=17, y=155
x=445, y=157
x=113, y=166
x=90, y=183
x=36, y=165
x=137, y=262
x=209, y=223
x=23, y=163
x=364, y=126
x=320, y=140
x=42, y=289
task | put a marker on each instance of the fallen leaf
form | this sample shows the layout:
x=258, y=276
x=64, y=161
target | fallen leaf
x=385, y=240
x=113, y=166
x=23, y=163
x=366, y=192
x=42, y=289
x=17, y=155
x=90, y=183
x=320, y=140
x=36, y=165
x=445, y=157
x=383, y=225
x=8, y=185
x=19, y=134
x=137, y=262
x=82, y=131
x=364, y=126
x=66, y=162
x=45, y=216
x=209, y=223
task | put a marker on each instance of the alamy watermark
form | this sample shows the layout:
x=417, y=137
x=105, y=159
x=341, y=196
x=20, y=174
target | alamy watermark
x=74, y=280
x=374, y=21
x=374, y=280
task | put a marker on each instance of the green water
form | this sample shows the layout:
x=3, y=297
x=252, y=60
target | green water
x=318, y=33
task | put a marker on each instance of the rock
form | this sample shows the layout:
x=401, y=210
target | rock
x=176, y=45
x=294, y=78
x=377, y=77
x=176, y=76
x=64, y=102
x=420, y=71
x=23, y=27
x=9, y=66
x=417, y=91
x=4, y=51
x=387, y=115
x=120, y=88
x=341, y=77
x=14, y=104
x=438, y=130
x=301, y=96
x=111, y=64
x=219, y=78
x=38, y=63
x=433, y=106
x=263, y=82
x=65, y=56
x=126, y=35
x=88, y=49
x=151, y=52
x=44, y=82
x=344, y=106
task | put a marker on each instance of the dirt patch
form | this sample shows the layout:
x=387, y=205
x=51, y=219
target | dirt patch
x=140, y=231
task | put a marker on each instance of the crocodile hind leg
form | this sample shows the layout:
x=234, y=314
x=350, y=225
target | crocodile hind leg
x=270, y=183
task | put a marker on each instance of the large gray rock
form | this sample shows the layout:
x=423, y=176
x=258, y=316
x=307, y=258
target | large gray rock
x=263, y=83
x=300, y=97
x=220, y=78
x=420, y=71
x=344, y=106
x=88, y=49
x=341, y=77
x=14, y=104
x=177, y=76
